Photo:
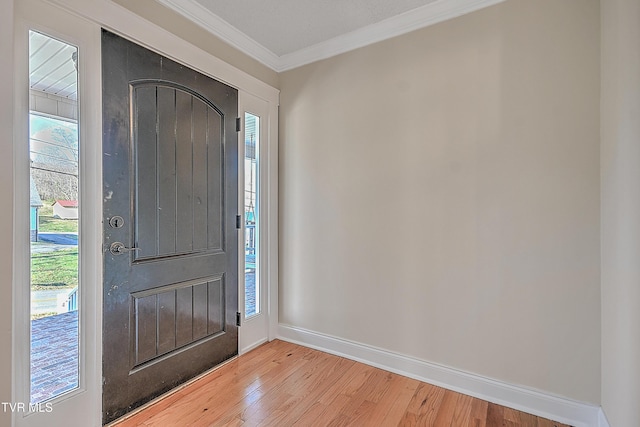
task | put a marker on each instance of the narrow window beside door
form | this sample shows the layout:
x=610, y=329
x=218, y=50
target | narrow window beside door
x=251, y=214
x=54, y=207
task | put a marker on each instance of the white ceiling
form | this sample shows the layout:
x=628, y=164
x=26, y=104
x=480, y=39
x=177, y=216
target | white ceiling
x=286, y=26
x=285, y=34
x=51, y=67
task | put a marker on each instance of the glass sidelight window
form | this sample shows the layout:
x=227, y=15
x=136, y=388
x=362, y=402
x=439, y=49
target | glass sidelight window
x=251, y=214
x=54, y=216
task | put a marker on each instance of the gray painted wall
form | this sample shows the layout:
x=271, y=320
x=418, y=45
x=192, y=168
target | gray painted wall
x=621, y=211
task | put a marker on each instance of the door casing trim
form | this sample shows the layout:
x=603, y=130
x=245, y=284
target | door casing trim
x=105, y=13
x=123, y=22
x=249, y=335
x=42, y=16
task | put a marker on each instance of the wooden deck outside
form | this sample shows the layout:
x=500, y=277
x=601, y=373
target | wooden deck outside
x=54, y=356
x=282, y=384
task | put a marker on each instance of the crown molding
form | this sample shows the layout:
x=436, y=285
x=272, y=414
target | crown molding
x=217, y=26
x=430, y=14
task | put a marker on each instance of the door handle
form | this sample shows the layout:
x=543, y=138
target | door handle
x=118, y=248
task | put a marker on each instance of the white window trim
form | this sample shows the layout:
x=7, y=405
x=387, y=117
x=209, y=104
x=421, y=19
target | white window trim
x=264, y=326
x=85, y=401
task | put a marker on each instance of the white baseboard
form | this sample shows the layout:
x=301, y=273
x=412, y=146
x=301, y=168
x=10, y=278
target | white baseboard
x=252, y=346
x=535, y=402
x=602, y=419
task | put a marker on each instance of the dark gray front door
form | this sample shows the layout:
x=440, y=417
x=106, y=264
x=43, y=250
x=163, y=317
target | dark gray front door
x=170, y=197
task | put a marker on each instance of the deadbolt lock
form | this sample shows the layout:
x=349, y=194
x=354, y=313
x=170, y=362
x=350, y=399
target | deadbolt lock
x=116, y=221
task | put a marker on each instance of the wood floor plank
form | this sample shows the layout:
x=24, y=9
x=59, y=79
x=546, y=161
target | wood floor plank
x=225, y=399
x=248, y=403
x=309, y=392
x=312, y=413
x=246, y=364
x=299, y=382
x=375, y=380
x=360, y=375
x=523, y=419
x=369, y=398
x=360, y=416
x=141, y=417
x=462, y=411
x=478, y=413
x=495, y=415
x=235, y=422
x=349, y=408
x=543, y=422
x=340, y=421
x=447, y=408
x=391, y=405
x=424, y=405
x=335, y=397
x=331, y=413
x=283, y=384
x=294, y=389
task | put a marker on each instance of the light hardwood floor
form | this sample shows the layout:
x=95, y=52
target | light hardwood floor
x=282, y=384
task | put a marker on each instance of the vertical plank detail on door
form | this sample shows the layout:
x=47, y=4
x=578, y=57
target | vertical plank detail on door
x=215, y=182
x=145, y=154
x=166, y=173
x=200, y=311
x=200, y=196
x=170, y=317
x=146, y=321
x=178, y=144
x=184, y=172
x=216, y=306
x=184, y=316
x=166, y=321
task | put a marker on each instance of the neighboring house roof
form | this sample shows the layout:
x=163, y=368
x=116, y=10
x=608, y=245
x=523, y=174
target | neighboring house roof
x=68, y=203
x=36, y=201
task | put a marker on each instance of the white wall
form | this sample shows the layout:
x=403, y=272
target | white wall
x=6, y=193
x=621, y=211
x=440, y=194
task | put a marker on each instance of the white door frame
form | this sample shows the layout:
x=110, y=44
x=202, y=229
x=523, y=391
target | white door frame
x=96, y=14
x=85, y=400
x=259, y=328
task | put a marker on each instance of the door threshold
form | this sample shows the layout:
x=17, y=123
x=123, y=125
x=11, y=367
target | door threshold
x=169, y=393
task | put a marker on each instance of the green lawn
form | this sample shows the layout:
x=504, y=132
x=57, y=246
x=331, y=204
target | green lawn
x=49, y=223
x=54, y=270
x=47, y=209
